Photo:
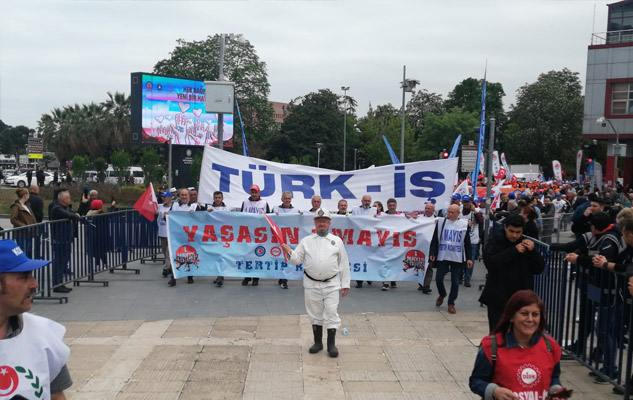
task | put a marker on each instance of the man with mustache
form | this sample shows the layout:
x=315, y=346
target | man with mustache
x=28, y=342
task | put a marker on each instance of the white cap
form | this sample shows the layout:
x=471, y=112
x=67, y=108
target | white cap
x=322, y=213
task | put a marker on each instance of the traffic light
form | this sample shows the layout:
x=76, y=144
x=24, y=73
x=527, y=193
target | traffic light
x=589, y=160
x=444, y=154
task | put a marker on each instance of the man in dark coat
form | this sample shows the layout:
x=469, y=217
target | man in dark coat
x=62, y=233
x=29, y=176
x=39, y=174
x=37, y=205
x=511, y=261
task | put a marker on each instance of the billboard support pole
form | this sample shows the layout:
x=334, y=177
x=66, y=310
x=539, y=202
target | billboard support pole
x=169, y=166
x=221, y=78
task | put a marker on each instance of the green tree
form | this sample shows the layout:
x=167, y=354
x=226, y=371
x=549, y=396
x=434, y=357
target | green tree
x=196, y=166
x=384, y=120
x=440, y=132
x=121, y=161
x=199, y=60
x=13, y=140
x=467, y=96
x=80, y=165
x=546, y=122
x=422, y=104
x=100, y=165
x=150, y=163
x=313, y=118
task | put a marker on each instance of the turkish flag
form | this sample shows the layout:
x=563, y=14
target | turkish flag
x=277, y=232
x=147, y=205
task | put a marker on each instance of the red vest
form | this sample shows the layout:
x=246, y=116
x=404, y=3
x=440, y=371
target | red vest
x=525, y=371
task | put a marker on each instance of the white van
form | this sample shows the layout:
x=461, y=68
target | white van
x=133, y=172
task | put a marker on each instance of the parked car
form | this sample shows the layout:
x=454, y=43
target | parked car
x=20, y=180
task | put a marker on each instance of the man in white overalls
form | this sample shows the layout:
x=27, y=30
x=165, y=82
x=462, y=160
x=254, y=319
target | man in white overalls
x=33, y=356
x=325, y=274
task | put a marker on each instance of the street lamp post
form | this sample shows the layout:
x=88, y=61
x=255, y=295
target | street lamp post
x=407, y=86
x=355, y=151
x=616, y=149
x=223, y=39
x=319, y=145
x=344, y=89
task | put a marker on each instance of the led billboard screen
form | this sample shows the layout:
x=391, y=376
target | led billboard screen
x=164, y=107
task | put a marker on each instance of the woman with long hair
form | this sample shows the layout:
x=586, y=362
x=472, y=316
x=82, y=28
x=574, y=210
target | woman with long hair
x=530, y=216
x=22, y=215
x=519, y=360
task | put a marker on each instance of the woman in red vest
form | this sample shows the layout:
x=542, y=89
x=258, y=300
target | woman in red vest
x=518, y=360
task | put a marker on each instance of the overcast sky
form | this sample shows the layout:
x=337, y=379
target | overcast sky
x=56, y=53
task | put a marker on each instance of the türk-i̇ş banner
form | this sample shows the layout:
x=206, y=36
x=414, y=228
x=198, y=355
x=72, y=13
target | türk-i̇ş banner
x=385, y=248
x=411, y=184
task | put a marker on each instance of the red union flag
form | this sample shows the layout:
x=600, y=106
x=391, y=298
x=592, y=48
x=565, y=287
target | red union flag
x=147, y=204
x=277, y=232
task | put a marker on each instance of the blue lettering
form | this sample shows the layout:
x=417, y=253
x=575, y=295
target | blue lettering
x=259, y=265
x=305, y=187
x=269, y=183
x=356, y=267
x=418, y=180
x=399, y=185
x=299, y=268
x=249, y=265
x=225, y=176
x=338, y=184
x=268, y=263
x=239, y=264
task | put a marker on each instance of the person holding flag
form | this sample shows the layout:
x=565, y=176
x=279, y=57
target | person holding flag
x=326, y=271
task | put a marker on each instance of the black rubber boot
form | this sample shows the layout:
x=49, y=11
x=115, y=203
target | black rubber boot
x=331, y=343
x=317, y=330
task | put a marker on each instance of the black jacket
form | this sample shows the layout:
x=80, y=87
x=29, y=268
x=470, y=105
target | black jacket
x=508, y=270
x=37, y=205
x=435, y=242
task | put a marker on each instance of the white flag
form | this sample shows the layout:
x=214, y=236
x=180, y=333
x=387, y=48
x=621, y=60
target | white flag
x=558, y=170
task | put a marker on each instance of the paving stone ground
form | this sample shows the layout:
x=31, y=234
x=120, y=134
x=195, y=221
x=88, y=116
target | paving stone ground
x=138, y=339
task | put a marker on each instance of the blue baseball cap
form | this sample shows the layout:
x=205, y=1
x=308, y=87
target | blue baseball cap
x=166, y=194
x=12, y=259
x=456, y=196
x=466, y=198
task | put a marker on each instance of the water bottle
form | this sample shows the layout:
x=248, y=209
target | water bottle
x=344, y=331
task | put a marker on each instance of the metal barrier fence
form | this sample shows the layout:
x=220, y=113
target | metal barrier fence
x=81, y=249
x=589, y=314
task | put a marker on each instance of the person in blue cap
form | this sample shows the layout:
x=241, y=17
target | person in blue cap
x=33, y=355
x=456, y=198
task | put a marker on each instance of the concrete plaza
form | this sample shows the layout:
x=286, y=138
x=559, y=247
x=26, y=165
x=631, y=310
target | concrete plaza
x=139, y=339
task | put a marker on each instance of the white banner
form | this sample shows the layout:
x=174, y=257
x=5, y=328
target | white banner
x=495, y=163
x=578, y=164
x=463, y=189
x=385, y=248
x=558, y=170
x=411, y=184
x=597, y=173
x=505, y=165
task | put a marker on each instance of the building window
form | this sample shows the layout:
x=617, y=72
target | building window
x=622, y=98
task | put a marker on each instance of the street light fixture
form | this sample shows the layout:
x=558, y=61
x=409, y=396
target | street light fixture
x=616, y=147
x=319, y=145
x=407, y=85
x=344, y=89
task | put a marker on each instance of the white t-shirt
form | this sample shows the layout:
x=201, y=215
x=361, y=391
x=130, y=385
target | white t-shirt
x=364, y=211
x=33, y=358
x=283, y=210
x=176, y=206
x=255, y=207
x=451, y=240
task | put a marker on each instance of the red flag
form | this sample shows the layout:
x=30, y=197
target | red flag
x=277, y=232
x=147, y=204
